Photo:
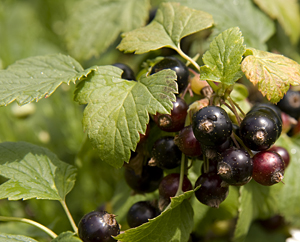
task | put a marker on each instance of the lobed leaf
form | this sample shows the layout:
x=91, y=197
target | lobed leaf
x=172, y=22
x=272, y=73
x=15, y=238
x=287, y=12
x=118, y=110
x=102, y=23
x=36, y=77
x=33, y=172
x=222, y=60
x=66, y=236
x=173, y=224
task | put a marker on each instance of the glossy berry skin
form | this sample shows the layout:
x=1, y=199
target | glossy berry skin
x=166, y=153
x=211, y=192
x=147, y=182
x=290, y=103
x=187, y=142
x=258, y=130
x=176, y=65
x=140, y=212
x=173, y=122
x=128, y=73
x=268, y=168
x=211, y=126
x=98, y=226
x=235, y=166
x=170, y=183
x=283, y=153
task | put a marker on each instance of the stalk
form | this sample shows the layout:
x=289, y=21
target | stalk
x=63, y=203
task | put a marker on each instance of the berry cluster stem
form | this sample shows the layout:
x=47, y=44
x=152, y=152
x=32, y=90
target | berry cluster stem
x=182, y=173
x=63, y=203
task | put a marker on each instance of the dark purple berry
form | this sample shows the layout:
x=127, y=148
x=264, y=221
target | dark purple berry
x=176, y=65
x=290, y=103
x=187, y=142
x=165, y=153
x=128, y=73
x=140, y=212
x=211, y=191
x=98, y=226
x=147, y=182
x=235, y=166
x=212, y=166
x=211, y=126
x=283, y=153
x=173, y=122
x=268, y=168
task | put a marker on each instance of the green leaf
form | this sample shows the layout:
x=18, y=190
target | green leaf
x=172, y=22
x=286, y=12
x=33, y=172
x=272, y=73
x=66, y=236
x=173, y=224
x=256, y=201
x=256, y=27
x=94, y=25
x=15, y=238
x=290, y=194
x=117, y=109
x=37, y=77
x=239, y=92
x=222, y=60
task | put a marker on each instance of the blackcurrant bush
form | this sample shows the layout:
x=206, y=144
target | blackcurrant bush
x=268, y=168
x=211, y=125
x=98, y=226
x=176, y=65
x=165, y=153
x=258, y=130
x=290, y=103
x=187, y=142
x=175, y=121
x=235, y=166
x=128, y=73
x=140, y=212
x=170, y=183
x=148, y=181
x=283, y=153
x=211, y=191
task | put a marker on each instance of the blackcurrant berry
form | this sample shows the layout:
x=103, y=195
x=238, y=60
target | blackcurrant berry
x=211, y=126
x=128, y=73
x=165, y=153
x=212, y=166
x=258, y=130
x=283, y=153
x=187, y=142
x=147, y=182
x=173, y=122
x=140, y=212
x=235, y=166
x=176, y=65
x=290, y=103
x=268, y=168
x=211, y=192
x=98, y=226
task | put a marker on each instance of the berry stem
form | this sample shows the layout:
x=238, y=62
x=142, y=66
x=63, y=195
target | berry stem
x=242, y=144
x=239, y=108
x=31, y=222
x=182, y=172
x=234, y=110
x=63, y=203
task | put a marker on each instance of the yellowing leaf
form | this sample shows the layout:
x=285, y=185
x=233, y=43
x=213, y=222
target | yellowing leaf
x=272, y=73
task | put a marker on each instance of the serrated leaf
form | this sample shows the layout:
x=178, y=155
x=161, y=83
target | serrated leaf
x=15, y=238
x=256, y=27
x=33, y=172
x=118, y=110
x=287, y=12
x=256, y=201
x=36, y=77
x=66, y=237
x=94, y=25
x=222, y=60
x=290, y=193
x=173, y=224
x=272, y=73
x=172, y=22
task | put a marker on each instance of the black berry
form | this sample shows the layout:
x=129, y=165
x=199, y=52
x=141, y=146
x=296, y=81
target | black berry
x=98, y=226
x=128, y=73
x=290, y=103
